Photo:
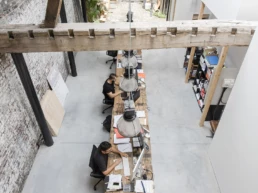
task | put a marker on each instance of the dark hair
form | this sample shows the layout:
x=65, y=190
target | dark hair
x=104, y=146
x=111, y=76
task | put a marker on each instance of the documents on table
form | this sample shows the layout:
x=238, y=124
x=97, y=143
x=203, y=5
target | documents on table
x=127, y=147
x=126, y=166
x=136, y=142
x=140, y=113
x=115, y=182
x=140, y=70
x=148, y=186
x=119, y=65
x=121, y=140
x=116, y=118
x=118, y=135
x=119, y=166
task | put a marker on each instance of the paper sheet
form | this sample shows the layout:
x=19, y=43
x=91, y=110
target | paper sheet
x=140, y=113
x=119, y=65
x=119, y=166
x=58, y=85
x=140, y=70
x=127, y=147
x=114, y=179
x=148, y=186
x=121, y=140
x=136, y=142
x=116, y=118
x=126, y=166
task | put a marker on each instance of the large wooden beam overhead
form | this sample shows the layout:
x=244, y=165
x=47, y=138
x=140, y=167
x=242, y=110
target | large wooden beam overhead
x=52, y=13
x=115, y=36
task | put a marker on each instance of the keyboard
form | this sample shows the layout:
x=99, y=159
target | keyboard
x=126, y=166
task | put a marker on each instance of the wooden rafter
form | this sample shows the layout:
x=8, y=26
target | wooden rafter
x=115, y=36
x=52, y=13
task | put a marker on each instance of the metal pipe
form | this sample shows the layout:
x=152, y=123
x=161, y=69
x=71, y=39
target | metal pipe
x=32, y=96
x=70, y=54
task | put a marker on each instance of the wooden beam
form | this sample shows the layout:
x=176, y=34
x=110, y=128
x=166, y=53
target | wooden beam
x=104, y=36
x=52, y=13
x=213, y=83
x=201, y=11
x=190, y=64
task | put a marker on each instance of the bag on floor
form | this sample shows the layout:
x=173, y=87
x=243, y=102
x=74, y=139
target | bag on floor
x=107, y=123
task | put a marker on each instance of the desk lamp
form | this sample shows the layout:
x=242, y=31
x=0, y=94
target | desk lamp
x=129, y=59
x=129, y=124
x=128, y=82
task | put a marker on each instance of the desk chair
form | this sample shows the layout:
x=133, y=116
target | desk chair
x=112, y=53
x=107, y=102
x=95, y=173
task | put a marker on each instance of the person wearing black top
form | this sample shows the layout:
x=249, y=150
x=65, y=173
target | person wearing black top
x=109, y=88
x=101, y=157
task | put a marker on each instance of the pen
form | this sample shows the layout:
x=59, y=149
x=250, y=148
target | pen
x=143, y=187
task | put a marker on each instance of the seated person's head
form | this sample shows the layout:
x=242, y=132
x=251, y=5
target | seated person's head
x=112, y=77
x=105, y=147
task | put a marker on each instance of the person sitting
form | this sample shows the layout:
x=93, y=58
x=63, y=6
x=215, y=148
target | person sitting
x=101, y=157
x=109, y=88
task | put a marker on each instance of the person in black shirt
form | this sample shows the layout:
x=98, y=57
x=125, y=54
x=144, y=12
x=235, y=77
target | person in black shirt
x=109, y=88
x=101, y=157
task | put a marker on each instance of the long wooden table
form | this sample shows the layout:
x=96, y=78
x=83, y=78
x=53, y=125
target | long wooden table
x=140, y=105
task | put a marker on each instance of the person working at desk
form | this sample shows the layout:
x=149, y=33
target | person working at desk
x=101, y=157
x=109, y=89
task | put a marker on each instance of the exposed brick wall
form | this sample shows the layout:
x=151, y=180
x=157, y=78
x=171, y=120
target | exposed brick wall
x=19, y=131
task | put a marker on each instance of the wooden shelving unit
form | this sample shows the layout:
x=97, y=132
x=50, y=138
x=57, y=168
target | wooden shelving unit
x=204, y=62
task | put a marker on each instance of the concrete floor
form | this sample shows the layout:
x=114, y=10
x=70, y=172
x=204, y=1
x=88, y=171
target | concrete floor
x=179, y=147
x=180, y=159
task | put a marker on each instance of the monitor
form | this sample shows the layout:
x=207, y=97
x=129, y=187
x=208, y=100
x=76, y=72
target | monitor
x=137, y=165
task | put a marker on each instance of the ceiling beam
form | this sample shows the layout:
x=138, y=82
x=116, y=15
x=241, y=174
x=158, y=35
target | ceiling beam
x=115, y=36
x=52, y=13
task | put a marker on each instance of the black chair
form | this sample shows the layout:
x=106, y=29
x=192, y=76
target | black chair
x=95, y=172
x=109, y=102
x=112, y=53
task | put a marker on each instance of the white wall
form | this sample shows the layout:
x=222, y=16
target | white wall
x=226, y=73
x=248, y=10
x=184, y=11
x=234, y=149
x=224, y=9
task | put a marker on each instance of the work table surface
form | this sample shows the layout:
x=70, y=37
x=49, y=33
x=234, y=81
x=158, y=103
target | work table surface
x=140, y=105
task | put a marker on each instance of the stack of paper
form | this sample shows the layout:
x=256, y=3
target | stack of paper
x=120, y=140
x=148, y=186
x=127, y=147
x=115, y=182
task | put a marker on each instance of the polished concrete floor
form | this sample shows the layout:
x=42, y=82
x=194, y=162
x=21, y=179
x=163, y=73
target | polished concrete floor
x=179, y=146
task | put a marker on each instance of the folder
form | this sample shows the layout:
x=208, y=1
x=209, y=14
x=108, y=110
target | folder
x=118, y=135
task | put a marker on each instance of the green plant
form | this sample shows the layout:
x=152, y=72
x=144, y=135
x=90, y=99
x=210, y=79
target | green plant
x=94, y=9
x=159, y=14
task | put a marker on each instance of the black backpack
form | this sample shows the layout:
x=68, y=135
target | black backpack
x=107, y=123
